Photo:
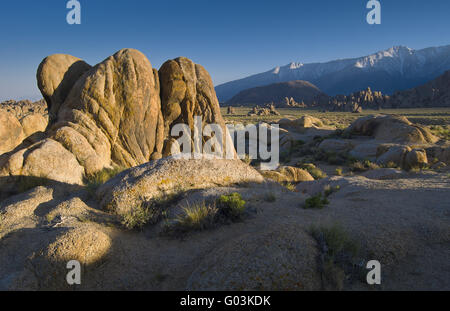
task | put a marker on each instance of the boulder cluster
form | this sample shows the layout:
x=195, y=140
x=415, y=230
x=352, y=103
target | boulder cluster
x=22, y=108
x=118, y=113
x=291, y=103
x=355, y=102
x=20, y=120
x=269, y=110
x=393, y=140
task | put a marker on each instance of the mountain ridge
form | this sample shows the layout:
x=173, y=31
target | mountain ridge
x=397, y=68
x=298, y=90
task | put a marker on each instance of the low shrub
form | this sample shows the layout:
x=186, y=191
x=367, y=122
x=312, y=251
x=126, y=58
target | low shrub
x=151, y=212
x=442, y=131
x=196, y=218
x=94, y=181
x=202, y=216
x=136, y=218
x=390, y=165
x=339, y=253
x=364, y=166
x=289, y=186
x=316, y=202
x=231, y=206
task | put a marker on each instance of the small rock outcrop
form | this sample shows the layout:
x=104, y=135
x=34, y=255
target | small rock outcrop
x=269, y=110
x=288, y=174
x=391, y=129
x=231, y=110
x=302, y=123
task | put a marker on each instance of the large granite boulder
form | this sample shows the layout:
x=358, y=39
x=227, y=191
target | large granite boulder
x=187, y=91
x=114, y=106
x=11, y=132
x=33, y=123
x=45, y=159
x=152, y=180
x=56, y=76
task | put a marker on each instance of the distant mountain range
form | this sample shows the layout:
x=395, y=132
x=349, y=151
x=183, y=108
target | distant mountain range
x=395, y=69
x=300, y=91
x=435, y=93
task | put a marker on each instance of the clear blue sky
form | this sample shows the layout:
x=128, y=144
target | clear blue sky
x=232, y=39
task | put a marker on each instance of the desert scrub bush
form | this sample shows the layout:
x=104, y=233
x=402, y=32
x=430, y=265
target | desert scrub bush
x=136, y=218
x=339, y=171
x=390, y=164
x=151, y=212
x=231, y=206
x=99, y=178
x=442, y=131
x=202, y=216
x=289, y=186
x=339, y=260
x=318, y=201
x=371, y=165
x=197, y=217
x=364, y=166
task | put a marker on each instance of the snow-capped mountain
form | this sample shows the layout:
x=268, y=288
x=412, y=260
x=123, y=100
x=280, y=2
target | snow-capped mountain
x=397, y=68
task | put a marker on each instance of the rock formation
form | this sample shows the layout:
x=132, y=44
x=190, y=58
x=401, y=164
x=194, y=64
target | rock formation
x=230, y=110
x=391, y=129
x=390, y=140
x=288, y=174
x=269, y=110
x=56, y=76
x=291, y=103
x=187, y=91
x=114, y=114
x=11, y=132
x=301, y=123
x=356, y=102
x=166, y=176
